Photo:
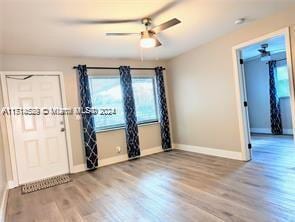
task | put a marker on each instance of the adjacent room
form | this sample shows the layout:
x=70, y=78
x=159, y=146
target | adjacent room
x=149, y=110
x=268, y=97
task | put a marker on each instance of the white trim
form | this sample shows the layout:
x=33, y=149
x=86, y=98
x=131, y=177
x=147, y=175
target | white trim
x=67, y=124
x=113, y=160
x=243, y=126
x=79, y=168
x=12, y=184
x=239, y=84
x=291, y=77
x=3, y=205
x=9, y=129
x=260, y=130
x=268, y=131
x=150, y=151
x=210, y=151
x=262, y=38
x=117, y=159
x=15, y=181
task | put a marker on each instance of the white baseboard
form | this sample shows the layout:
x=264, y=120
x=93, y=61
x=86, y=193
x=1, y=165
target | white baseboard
x=261, y=130
x=112, y=160
x=151, y=151
x=78, y=168
x=117, y=159
x=103, y=162
x=3, y=205
x=12, y=184
x=268, y=131
x=210, y=151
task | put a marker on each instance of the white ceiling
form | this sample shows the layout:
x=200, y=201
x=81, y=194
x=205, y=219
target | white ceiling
x=275, y=45
x=38, y=27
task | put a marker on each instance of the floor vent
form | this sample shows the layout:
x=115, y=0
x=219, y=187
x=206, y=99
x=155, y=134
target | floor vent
x=45, y=183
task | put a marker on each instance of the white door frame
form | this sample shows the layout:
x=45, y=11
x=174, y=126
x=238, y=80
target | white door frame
x=239, y=82
x=12, y=153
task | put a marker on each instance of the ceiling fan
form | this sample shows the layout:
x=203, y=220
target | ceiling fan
x=264, y=54
x=149, y=35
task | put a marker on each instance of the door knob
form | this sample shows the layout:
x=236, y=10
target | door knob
x=62, y=129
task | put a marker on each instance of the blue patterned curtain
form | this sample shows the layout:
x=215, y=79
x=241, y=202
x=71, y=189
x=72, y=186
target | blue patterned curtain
x=275, y=112
x=87, y=119
x=131, y=128
x=164, y=119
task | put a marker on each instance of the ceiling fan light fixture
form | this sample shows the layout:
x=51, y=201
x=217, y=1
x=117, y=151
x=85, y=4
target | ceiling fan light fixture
x=148, y=40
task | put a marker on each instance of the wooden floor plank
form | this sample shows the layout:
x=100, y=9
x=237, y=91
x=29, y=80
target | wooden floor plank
x=173, y=186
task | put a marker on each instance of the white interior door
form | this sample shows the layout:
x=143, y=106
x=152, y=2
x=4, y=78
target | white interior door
x=39, y=140
x=247, y=121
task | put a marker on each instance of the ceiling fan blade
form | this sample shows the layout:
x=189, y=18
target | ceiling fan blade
x=158, y=43
x=100, y=21
x=163, y=9
x=165, y=25
x=121, y=33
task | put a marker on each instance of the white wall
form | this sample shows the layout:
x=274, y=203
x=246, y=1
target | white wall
x=203, y=98
x=257, y=85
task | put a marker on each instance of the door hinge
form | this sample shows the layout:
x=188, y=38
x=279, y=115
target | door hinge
x=249, y=146
x=241, y=61
x=245, y=103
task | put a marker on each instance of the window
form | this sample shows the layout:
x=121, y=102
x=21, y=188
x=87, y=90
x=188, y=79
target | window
x=282, y=81
x=145, y=99
x=106, y=94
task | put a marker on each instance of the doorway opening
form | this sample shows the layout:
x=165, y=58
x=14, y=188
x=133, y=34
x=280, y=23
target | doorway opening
x=266, y=97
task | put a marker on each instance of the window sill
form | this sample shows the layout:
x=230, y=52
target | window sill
x=123, y=127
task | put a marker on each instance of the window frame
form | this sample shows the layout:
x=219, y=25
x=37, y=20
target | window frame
x=139, y=123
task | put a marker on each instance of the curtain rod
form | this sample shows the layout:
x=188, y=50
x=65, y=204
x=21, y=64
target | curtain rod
x=75, y=67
